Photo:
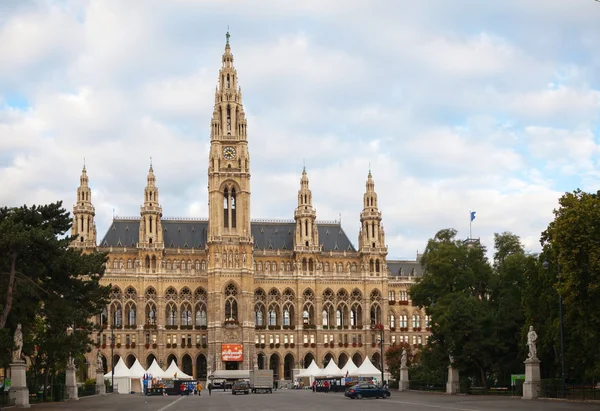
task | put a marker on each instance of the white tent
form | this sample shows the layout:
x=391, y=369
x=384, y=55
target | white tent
x=156, y=372
x=122, y=377
x=367, y=369
x=137, y=374
x=137, y=370
x=332, y=370
x=312, y=370
x=349, y=367
x=174, y=372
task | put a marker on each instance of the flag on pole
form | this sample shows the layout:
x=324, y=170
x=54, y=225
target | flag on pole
x=473, y=215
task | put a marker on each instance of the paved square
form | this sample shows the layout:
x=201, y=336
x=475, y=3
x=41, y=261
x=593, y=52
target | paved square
x=306, y=400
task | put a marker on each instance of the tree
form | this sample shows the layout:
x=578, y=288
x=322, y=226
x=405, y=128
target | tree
x=47, y=286
x=475, y=307
x=572, y=241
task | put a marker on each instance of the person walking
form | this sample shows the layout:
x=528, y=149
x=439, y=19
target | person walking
x=326, y=385
x=199, y=388
x=210, y=387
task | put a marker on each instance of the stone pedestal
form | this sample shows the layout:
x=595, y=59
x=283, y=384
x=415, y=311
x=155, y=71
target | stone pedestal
x=71, y=382
x=100, y=387
x=18, y=393
x=453, y=384
x=531, y=386
x=403, y=383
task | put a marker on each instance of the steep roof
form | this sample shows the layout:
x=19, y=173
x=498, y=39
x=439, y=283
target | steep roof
x=405, y=268
x=268, y=235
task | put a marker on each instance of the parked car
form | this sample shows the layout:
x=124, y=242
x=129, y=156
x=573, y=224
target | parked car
x=359, y=391
x=240, y=387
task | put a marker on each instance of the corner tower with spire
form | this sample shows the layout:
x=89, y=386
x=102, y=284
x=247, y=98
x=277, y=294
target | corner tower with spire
x=151, y=233
x=83, y=216
x=306, y=234
x=371, y=237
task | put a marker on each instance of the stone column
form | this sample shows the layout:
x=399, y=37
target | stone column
x=71, y=382
x=18, y=393
x=531, y=386
x=100, y=387
x=403, y=383
x=453, y=385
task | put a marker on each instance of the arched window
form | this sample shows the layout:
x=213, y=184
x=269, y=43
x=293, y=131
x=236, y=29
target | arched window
x=259, y=317
x=226, y=208
x=416, y=320
x=186, y=315
x=338, y=318
x=171, y=314
x=392, y=321
x=377, y=265
x=272, y=317
x=130, y=313
x=325, y=318
x=404, y=321
x=116, y=314
x=233, y=201
x=286, y=316
x=150, y=314
x=231, y=308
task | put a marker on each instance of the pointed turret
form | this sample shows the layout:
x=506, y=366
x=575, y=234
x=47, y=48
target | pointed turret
x=83, y=215
x=229, y=160
x=306, y=235
x=151, y=234
x=229, y=119
x=371, y=237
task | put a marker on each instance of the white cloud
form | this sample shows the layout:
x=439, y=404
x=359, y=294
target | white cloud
x=456, y=107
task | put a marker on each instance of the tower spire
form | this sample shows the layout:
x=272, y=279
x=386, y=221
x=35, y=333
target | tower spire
x=151, y=233
x=371, y=237
x=83, y=226
x=306, y=236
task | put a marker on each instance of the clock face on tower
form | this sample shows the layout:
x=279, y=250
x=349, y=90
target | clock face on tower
x=229, y=153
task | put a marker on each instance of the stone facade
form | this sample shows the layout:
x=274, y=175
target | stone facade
x=287, y=291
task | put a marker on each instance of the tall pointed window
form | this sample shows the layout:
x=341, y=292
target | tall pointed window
x=233, y=216
x=226, y=208
x=228, y=120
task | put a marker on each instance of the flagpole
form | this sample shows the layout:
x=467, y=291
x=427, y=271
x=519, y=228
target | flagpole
x=470, y=225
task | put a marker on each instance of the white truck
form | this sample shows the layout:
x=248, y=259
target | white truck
x=261, y=380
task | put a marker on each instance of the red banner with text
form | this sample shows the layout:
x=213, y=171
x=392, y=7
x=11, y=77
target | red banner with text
x=232, y=352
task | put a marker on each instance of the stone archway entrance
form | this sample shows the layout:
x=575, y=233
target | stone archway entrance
x=201, y=368
x=130, y=360
x=261, y=361
x=186, y=365
x=274, y=362
x=357, y=359
x=149, y=359
x=288, y=366
x=342, y=360
x=308, y=358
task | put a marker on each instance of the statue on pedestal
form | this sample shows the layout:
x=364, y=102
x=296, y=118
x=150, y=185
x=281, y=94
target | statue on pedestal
x=451, y=359
x=531, y=343
x=99, y=364
x=18, y=340
x=403, y=359
x=70, y=361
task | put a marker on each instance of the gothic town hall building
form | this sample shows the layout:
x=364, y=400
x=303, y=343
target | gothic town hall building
x=230, y=293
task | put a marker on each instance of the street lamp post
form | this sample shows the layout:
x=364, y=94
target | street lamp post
x=112, y=357
x=380, y=328
x=546, y=265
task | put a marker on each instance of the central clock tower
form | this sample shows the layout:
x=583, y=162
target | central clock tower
x=229, y=240
x=229, y=161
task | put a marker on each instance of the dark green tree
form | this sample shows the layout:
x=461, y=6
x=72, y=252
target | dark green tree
x=46, y=286
x=572, y=241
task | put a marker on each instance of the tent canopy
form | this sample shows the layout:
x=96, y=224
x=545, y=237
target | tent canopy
x=174, y=372
x=156, y=372
x=120, y=370
x=349, y=367
x=137, y=370
x=366, y=369
x=332, y=370
x=312, y=370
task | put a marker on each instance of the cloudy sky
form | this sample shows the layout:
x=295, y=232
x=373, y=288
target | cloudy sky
x=457, y=105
